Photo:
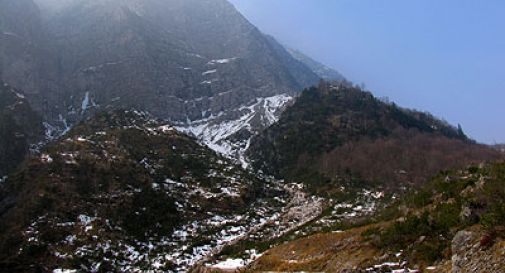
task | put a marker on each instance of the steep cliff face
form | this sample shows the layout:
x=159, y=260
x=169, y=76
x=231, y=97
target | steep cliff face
x=179, y=60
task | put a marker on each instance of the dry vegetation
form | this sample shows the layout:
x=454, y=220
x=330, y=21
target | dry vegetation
x=454, y=223
x=407, y=157
x=338, y=132
x=329, y=252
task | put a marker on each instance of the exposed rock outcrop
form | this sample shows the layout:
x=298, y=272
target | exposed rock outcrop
x=472, y=253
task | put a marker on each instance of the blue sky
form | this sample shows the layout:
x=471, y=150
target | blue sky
x=442, y=56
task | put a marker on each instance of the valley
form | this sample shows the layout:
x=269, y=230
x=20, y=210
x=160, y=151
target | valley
x=175, y=136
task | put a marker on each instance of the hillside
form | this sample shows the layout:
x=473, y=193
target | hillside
x=455, y=223
x=123, y=191
x=20, y=127
x=116, y=186
x=337, y=132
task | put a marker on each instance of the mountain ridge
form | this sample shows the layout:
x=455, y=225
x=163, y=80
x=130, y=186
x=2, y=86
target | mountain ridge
x=331, y=130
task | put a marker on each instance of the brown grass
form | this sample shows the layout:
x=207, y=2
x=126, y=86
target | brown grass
x=327, y=252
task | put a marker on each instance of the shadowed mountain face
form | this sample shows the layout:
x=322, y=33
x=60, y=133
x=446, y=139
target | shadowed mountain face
x=177, y=59
x=20, y=126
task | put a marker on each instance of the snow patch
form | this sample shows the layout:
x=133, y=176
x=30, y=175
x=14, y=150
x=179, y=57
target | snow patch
x=230, y=264
x=85, y=103
x=209, y=72
x=64, y=271
x=21, y=96
x=45, y=158
x=222, y=61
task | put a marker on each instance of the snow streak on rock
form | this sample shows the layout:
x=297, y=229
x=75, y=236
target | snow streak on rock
x=231, y=134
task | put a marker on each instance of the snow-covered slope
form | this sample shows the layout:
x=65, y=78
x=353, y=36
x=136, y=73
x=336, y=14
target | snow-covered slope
x=229, y=133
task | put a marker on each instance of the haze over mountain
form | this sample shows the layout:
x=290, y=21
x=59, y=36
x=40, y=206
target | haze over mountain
x=185, y=60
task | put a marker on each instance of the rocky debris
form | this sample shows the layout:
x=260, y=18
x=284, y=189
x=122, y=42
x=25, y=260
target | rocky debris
x=468, y=255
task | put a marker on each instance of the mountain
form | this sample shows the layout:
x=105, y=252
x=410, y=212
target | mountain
x=171, y=136
x=187, y=60
x=339, y=132
x=454, y=223
x=323, y=71
x=123, y=191
x=20, y=127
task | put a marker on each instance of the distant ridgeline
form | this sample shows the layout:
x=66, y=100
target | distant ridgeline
x=339, y=133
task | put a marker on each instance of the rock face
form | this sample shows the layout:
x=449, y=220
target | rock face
x=468, y=254
x=20, y=127
x=179, y=59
